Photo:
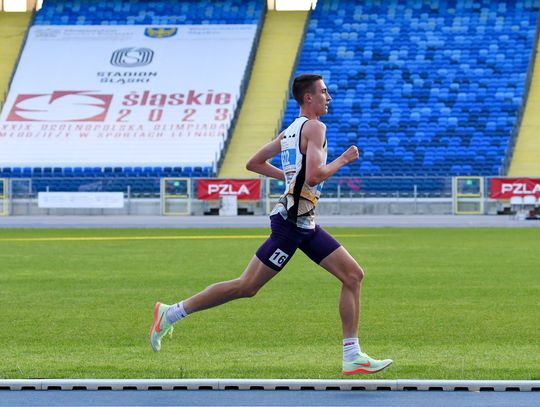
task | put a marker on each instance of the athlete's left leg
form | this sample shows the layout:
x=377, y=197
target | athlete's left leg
x=323, y=249
x=327, y=252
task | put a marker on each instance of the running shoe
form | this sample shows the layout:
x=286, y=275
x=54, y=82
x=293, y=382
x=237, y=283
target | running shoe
x=364, y=364
x=160, y=327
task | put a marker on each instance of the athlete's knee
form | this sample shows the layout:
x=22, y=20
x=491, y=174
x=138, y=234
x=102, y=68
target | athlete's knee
x=360, y=273
x=248, y=291
x=245, y=289
x=354, y=276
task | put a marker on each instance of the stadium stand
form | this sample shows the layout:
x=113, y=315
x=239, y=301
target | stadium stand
x=119, y=13
x=423, y=88
x=427, y=90
x=101, y=12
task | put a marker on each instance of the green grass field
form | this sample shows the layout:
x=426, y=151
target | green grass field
x=443, y=303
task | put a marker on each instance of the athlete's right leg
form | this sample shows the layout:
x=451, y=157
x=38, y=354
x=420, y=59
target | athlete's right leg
x=323, y=249
x=255, y=276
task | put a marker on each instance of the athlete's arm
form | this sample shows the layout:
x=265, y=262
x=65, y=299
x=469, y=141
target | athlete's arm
x=259, y=161
x=314, y=133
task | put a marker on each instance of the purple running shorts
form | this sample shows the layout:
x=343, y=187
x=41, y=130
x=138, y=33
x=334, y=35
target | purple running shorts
x=286, y=238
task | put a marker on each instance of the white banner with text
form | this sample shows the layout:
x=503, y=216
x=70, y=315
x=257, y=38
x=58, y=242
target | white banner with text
x=81, y=200
x=124, y=95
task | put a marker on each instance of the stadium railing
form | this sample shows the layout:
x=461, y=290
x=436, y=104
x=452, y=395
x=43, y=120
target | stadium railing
x=3, y=196
x=341, y=195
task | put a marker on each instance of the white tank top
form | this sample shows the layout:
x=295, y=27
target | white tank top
x=298, y=202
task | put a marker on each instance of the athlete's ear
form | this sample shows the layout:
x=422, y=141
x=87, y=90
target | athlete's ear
x=307, y=97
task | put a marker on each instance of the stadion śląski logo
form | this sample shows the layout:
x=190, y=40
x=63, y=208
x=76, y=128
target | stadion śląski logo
x=132, y=57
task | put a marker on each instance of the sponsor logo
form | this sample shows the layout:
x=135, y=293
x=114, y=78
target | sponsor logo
x=158, y=326
x=520, y=188
x=214, y=188
x=160, y=32
x=132, y=57
x=227, y=189
x=61, y=106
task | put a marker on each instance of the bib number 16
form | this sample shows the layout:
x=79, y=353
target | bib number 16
x=279, y=257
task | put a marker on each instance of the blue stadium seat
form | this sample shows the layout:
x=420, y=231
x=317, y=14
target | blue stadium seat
x=433, y=90
x=116, y=12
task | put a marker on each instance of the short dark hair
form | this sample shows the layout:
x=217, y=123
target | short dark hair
x=304, y=84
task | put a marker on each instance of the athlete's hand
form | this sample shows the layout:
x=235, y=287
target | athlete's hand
x=351, y=154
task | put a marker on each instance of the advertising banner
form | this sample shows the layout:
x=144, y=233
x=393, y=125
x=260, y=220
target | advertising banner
x=81, y=200
x=243, y=189
x=505, y=188
x=124, y=95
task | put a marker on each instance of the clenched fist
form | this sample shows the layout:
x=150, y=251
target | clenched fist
x=351, y=154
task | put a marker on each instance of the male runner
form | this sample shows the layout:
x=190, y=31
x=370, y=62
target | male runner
x=303, y=153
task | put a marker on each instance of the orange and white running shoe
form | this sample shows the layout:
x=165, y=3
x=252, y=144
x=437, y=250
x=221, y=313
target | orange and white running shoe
x=160, y=326
x=364, y=364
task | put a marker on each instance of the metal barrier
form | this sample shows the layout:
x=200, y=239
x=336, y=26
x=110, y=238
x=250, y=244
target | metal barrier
x=175, y=192
x=340, y=195
x=3, y=197
x=468, y=195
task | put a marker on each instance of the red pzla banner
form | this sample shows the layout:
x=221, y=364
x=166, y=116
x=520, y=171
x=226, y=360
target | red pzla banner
x=244, y=189
x=505, y=188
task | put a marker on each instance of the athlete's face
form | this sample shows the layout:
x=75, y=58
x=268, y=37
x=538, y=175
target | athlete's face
x=320, y=98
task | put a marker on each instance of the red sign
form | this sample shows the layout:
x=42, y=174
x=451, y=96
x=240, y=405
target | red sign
x=505, y=188
x=244, y=189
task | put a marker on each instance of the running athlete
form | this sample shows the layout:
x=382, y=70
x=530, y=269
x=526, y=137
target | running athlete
x=303, y=151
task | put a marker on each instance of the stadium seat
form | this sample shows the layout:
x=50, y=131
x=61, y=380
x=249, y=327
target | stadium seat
x=89, y=12
x=412, y=91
